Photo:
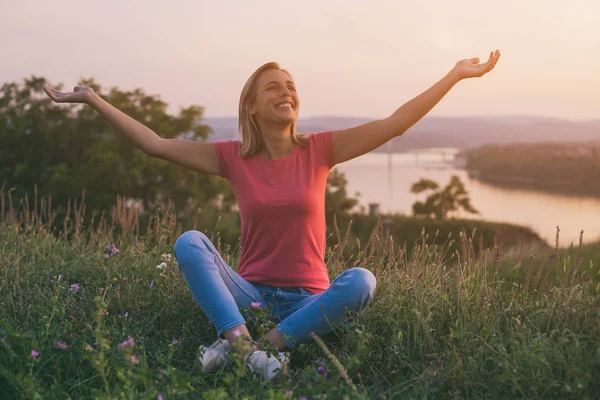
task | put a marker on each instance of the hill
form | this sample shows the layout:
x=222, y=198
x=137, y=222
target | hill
x=458, y=132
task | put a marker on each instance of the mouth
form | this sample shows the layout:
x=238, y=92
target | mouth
x=285, y=104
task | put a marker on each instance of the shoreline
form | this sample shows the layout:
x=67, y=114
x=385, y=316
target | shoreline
x=549, y=186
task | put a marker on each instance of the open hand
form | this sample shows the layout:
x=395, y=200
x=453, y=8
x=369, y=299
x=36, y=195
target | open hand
x=80, y=94
x=470, y=67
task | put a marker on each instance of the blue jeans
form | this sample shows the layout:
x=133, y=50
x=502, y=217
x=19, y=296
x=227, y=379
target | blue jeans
x=221, y=293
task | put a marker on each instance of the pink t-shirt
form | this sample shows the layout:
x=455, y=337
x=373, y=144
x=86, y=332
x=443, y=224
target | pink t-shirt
x=282, y=211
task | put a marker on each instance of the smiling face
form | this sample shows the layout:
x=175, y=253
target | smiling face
x=275, y=99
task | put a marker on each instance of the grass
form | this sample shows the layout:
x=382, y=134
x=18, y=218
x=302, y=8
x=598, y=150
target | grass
x=446, y=322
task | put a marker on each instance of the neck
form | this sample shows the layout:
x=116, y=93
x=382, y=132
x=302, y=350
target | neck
x=277, y=141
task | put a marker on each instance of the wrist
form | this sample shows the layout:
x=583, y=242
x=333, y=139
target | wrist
x=454, y=76
x=92, y=99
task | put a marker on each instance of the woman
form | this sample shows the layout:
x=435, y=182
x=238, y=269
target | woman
x=279, y=179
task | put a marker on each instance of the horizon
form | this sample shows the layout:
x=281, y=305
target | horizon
x=499, y=116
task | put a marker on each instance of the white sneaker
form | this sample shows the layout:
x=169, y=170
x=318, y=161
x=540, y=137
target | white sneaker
x=268, y=367
x=214, y=356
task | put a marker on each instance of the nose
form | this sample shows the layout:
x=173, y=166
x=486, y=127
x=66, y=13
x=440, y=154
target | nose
x=286, y=92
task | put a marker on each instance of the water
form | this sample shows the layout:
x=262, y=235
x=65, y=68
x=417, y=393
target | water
x=537, y=210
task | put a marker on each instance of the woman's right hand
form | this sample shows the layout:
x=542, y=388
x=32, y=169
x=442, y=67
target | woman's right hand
x=80, y=94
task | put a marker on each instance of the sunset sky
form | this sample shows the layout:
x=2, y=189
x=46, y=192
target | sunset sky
x=353, y=58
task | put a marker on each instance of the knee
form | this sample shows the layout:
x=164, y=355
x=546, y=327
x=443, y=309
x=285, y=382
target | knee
x=190, y=237
x=363, y=284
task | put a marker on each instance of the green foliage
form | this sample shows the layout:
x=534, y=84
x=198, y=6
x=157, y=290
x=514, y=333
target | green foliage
x=439, y=327
x=559, y=167
x=337, y=200
x=441, y=202
x=65, y=149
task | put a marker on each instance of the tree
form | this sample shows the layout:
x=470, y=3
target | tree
x=441, y=201
x=337, y=200
x=64, y=149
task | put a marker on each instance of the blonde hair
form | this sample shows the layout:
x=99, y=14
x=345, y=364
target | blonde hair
x=251, y=140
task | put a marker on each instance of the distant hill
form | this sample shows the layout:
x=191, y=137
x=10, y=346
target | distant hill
x=458, y=132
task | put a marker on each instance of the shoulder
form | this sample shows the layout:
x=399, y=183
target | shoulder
x=320, y=144
x=228, y=152
x=228, y=145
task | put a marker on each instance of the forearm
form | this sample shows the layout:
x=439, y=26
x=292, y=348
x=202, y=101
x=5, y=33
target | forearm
x=140, y=135
x=412, y=111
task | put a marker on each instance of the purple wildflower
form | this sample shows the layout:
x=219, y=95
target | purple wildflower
x=151, y=285
x=356, y=330
x=126, y=343
x=126, y=314
x=175, y=341
x=34, y=353
x=255, y=304
x=75, y=287
x=4, y=342
x=110, y=251
x=302, y=398
x=322, y=369
x=52, y=281
x=62, y=345
x=159, y=397
x=133, y=359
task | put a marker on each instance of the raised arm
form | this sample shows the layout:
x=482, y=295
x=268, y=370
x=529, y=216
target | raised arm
x=187, y=153
x=354, y=142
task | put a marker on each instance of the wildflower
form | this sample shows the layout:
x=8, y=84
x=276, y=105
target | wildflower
x=62, y=345
x=166, y=257
x=162, y=265
x=159, y=397
x=356, y=330
x=288, y=394
x=34, y=353
x=151, y=285
x=113, y=264
x=133, y=359
x=4, y=342
x=75, y=287
x=175, y=341
x=52, y=281
x=126, y=314
x=110, y=251
x=95, y=343
x=59, y=277
x=322, y=369
x=255, y=304
x=302, y=398
x=126, y=343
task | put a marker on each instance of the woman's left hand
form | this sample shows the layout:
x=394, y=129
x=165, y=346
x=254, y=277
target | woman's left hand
x=470, y=67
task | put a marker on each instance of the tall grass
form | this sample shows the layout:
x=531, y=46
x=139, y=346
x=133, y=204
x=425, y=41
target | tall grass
x=79, y=319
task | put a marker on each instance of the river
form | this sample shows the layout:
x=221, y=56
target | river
x=386, y=179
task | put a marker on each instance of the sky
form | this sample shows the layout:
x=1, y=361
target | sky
x=348, y=58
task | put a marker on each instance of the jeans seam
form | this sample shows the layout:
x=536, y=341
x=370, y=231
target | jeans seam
x=223, y=267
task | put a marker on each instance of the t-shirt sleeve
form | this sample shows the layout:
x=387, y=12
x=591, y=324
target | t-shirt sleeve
x=227, y=153
x=322, y=146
